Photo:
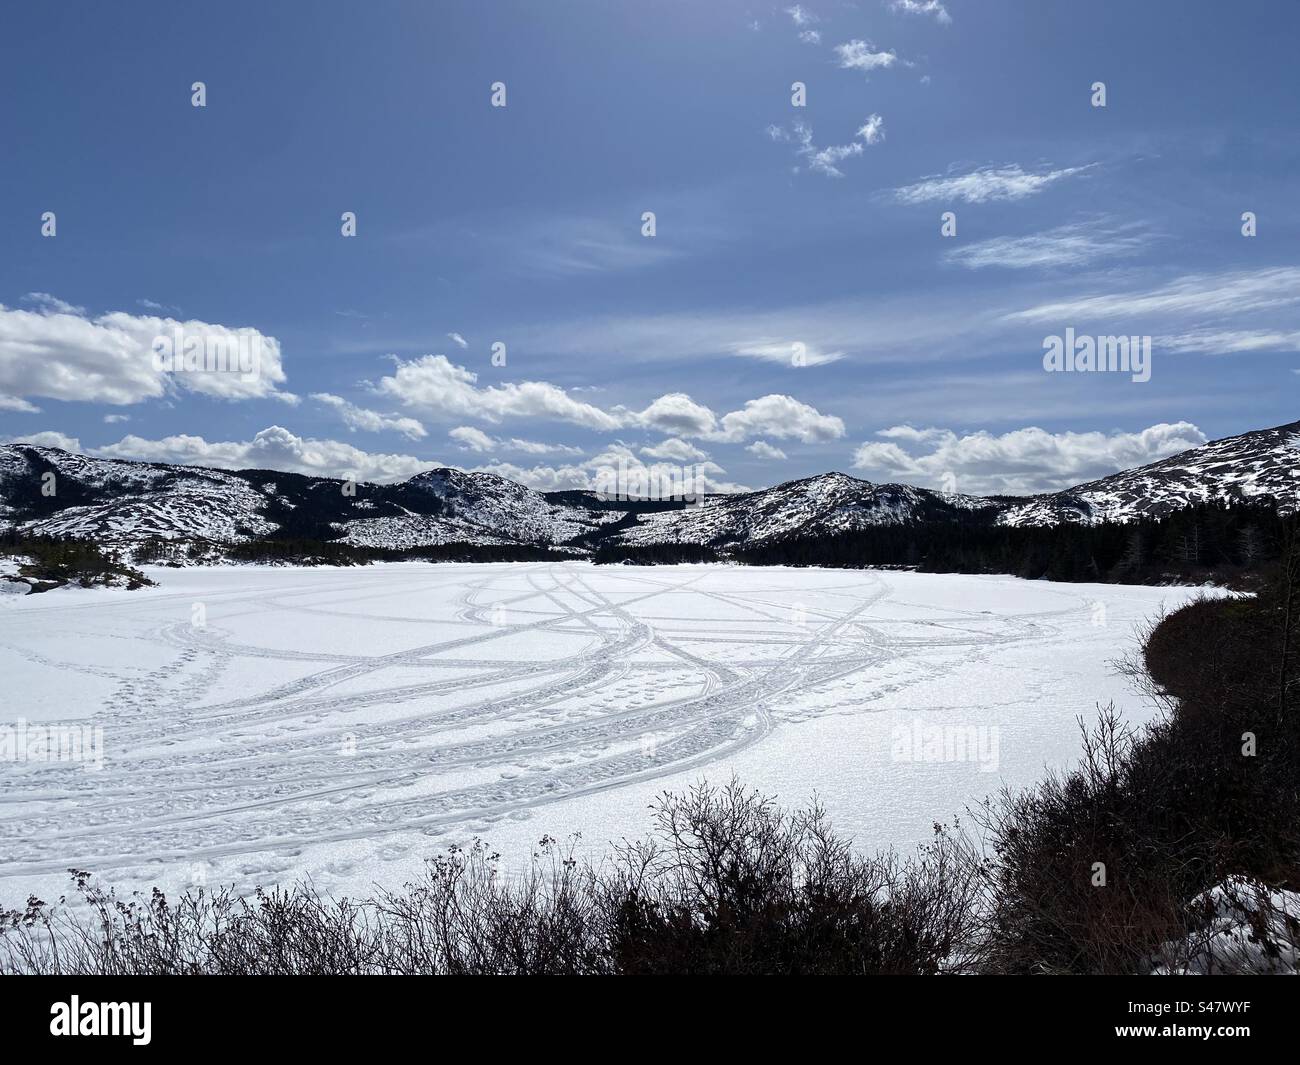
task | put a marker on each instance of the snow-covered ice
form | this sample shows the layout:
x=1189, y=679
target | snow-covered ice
x=266, y=724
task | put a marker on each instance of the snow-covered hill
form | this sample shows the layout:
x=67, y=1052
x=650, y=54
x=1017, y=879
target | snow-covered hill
x=831, y=502
x=51, y=492
x=45, y=490
x=1265, y=462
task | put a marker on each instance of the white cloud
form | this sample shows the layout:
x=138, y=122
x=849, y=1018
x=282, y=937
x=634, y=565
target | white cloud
x=780, y=416
x=810, y=37
x=370, y=421
x=274, y=448
x=857, y=55
x=675, y=449
x=676, y=413
x=763, y=450
x=49, y=438
x=15, y=403
x=922, y=7
x=43, y=301
x=1069, y=245
x=477, y=440
x=983, y=185
x=474, y=439
x=1229, y=341
x=1021, y=462
x=56, y=351
x=434, y=385
x=800, y=15
x=458, y=340
x=826, y=160
x=786, y=352
x=1204, y=295
x=116, y=419
x=873, y=132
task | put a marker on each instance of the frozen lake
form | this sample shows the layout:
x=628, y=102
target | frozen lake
x=252, y=725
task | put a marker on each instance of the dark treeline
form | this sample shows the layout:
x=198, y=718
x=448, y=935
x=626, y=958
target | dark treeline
x=1204, y=541
x=50, y=562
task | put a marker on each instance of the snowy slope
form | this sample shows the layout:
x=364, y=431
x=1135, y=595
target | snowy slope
x=832, y=502
x=118, y=501
x=1259, y=463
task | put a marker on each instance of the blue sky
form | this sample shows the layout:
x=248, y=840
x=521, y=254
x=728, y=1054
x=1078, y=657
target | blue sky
x=776, y=226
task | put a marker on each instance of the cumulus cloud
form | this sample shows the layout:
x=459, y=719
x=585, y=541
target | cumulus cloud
x=57, y=351
x=783, y=417
x=675, y=449
x=21, y=406
x=858, y=55
x=763, y=450
x=49, y=438
x=1071, y=245
x=922, y=7
x=810, y=37
x=370, y=421
x=1021, y=462
x=435, y=386
x=983, y=185
x=274, y=448
x=476, y=440
x=677, y=414
x=800, y=15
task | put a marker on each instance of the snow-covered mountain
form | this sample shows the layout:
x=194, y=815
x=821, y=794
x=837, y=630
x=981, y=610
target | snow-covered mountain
x=48, y=491
x=51, y=492
x=831, y=502
x=1265, y=462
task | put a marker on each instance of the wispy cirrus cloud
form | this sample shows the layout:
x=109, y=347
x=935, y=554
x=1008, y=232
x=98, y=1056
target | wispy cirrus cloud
x=801, y=16
x=826, y=160
x=1229, y=341
x=1077, y=244
x=1205, y=296
x=984, y=185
